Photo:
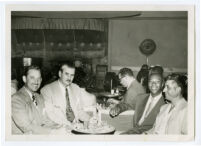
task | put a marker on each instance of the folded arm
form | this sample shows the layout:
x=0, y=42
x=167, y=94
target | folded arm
x=20, y=117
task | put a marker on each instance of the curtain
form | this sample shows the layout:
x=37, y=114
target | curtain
x=52, y=23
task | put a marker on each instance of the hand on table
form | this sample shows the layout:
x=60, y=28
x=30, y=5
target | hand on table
x=115, y=111
x=113, y=101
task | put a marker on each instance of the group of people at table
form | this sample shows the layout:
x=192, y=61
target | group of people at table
x=61, y=103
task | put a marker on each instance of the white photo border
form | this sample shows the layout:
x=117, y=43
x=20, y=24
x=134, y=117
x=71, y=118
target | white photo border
x=191, y=71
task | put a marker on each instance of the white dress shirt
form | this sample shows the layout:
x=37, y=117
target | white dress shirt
x=151, y=102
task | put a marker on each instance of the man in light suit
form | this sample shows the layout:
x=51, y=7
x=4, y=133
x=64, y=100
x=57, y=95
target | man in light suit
x=28, y=112
x=59, y=94
x=146, y=106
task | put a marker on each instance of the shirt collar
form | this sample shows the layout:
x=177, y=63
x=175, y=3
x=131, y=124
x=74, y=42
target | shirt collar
x=29, y=92
x=181, y=102
x=156, y=97
x=62, y=86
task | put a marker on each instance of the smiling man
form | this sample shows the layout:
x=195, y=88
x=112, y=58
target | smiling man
x=147, y=106
x=64, y=100
x=172, y=118
x=28, y=112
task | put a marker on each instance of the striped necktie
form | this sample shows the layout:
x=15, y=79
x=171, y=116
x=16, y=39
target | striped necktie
x=69, y=112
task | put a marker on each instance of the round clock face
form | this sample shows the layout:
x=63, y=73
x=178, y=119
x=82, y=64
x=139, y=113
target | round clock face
x=147, y=47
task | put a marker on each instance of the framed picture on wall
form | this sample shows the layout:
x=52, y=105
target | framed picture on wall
x=27, y=61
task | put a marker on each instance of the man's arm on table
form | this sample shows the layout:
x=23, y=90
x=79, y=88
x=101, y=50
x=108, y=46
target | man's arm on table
x=83, y=116
x=119, y=108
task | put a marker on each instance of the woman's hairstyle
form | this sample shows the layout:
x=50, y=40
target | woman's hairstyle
x=181, y=81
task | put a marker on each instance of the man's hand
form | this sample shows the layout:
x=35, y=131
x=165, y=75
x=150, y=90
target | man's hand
x=115, y=111
x=113, y=101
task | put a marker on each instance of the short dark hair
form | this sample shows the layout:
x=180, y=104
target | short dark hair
x=155, y=73
x=35, y=67
x=156, y=69
x=144, y=67
x=126, y=71
x=180, y=80
x=67, y=63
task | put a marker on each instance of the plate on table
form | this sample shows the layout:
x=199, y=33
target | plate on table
x=103, y=130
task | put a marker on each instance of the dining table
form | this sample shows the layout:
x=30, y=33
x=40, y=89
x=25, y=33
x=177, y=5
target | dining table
x=122, y=122
x=118, y=124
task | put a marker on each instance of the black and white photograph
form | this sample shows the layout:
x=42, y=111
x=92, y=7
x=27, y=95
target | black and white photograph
x=100, y=73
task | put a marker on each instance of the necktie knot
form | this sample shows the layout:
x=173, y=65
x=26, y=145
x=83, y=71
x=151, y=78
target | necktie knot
x=34, y=99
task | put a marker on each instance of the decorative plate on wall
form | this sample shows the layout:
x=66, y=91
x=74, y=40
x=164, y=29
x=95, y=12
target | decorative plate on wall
x=147, y=47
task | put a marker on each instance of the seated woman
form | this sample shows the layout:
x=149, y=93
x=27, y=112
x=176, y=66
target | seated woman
x=172, y=118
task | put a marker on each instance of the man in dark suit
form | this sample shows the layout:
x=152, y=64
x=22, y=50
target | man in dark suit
x=146, y=106
x=134, y=88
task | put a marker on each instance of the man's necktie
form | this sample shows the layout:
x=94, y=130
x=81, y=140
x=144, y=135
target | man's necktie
x=34, y=99
x=69, y=112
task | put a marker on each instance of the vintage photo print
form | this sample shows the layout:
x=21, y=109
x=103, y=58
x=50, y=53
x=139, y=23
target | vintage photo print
x=100, y=73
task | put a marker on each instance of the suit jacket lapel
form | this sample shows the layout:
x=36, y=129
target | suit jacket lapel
x=32, y=110
x=139, y=110
x=71, y=95
x=28, y=100
x=152, y=115
x=25, y=96
x=57, y=89
x=58, y=97
x=73, y=100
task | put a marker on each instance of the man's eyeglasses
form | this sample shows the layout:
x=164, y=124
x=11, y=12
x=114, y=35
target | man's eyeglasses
x=120, y=78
